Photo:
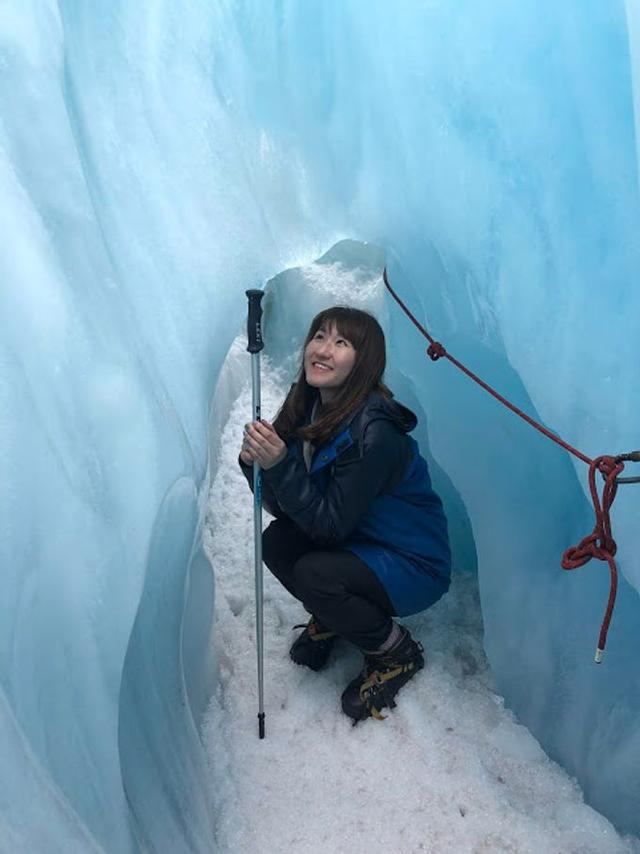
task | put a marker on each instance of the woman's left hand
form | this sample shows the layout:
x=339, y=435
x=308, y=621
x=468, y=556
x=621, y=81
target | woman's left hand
x=262, y=443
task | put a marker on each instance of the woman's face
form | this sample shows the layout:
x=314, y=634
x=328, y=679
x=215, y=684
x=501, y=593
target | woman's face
x=328, y=360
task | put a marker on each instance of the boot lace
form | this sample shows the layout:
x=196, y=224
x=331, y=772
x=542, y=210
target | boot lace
x=316, y=630
x=374, y=687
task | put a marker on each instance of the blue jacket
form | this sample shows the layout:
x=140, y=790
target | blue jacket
x=368, y=490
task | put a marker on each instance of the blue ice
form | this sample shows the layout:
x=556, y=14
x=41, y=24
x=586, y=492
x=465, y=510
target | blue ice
x=156, y=159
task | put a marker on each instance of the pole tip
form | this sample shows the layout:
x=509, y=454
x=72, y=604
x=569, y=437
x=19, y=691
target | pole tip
x=261, y=724
x=598, y=656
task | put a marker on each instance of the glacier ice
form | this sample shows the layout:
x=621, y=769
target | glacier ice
x=158, y=158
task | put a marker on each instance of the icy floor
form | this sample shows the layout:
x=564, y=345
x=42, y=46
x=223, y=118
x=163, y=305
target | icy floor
x=448, y=771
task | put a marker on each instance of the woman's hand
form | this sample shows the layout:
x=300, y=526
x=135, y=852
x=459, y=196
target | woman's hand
x=262, y=444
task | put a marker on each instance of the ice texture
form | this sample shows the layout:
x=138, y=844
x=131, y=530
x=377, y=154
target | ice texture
x=158, y=158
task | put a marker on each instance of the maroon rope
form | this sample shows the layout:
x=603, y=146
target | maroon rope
x=600, y=543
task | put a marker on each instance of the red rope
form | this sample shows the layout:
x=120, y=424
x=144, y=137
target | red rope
x=600, y=543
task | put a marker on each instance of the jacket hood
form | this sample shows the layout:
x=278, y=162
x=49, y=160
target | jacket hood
x=378, y=407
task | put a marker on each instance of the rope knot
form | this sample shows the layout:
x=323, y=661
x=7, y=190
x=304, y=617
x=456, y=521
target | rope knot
x=599, y=544
x=608, y=465
x=436, y=351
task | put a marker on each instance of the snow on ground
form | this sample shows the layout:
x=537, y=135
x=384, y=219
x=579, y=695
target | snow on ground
x=449, y=770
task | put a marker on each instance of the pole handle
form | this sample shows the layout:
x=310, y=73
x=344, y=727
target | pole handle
x=254, y=318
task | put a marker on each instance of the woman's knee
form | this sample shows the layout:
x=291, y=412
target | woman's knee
x=273, y=539
x=315, y=575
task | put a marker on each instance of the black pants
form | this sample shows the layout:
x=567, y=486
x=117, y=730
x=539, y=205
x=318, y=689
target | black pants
x=334, y=585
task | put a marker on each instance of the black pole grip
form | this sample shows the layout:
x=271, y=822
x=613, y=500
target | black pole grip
x=254, y=317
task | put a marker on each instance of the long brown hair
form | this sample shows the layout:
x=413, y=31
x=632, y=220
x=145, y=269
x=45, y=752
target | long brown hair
x=365, y=334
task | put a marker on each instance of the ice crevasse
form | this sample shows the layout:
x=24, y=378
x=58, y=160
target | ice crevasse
x=158, y=158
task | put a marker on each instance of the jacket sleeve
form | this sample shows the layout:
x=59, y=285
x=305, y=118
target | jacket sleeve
x=358, y=476
x=268, y=498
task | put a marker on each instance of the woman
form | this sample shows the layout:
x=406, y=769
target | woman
x=359, y=534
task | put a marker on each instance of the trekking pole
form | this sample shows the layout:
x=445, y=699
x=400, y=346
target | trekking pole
x=255, y=344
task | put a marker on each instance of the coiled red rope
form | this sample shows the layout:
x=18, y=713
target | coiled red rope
x=599, y=543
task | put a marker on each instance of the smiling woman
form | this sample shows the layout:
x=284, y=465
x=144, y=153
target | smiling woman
x=360, y=535
x=328, y=361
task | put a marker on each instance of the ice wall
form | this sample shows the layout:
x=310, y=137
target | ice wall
x=157, y=158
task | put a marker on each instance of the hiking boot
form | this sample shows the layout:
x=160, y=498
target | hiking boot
x=381, y=677
x=313, y=646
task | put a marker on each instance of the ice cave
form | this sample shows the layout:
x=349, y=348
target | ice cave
x=158, y=159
